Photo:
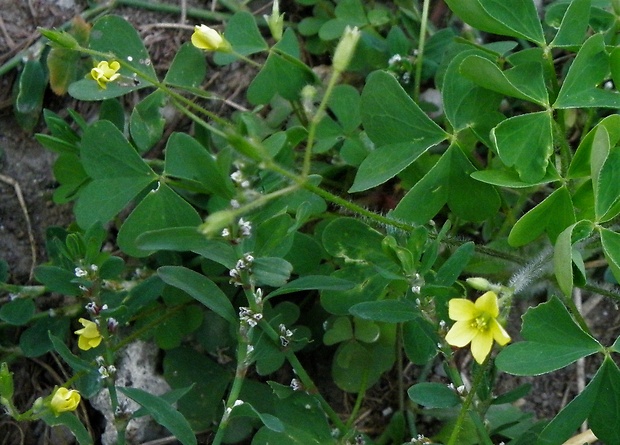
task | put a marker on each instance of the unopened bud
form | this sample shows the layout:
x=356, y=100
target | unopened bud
x=217, y=221
x=60, y=39
x=479, y=283
x=6, y=382
x=346, y=48
x=275, y=21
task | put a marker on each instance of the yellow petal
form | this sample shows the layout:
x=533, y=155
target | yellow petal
x=83, y=343
x=461, y=333
x=487, y=303
x=481, y=345
x=499, y=333
x=460, y=309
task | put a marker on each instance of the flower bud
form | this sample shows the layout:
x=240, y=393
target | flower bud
x=215, y=222
x=60, y=39
x=275, y=21
x=6, y=382
x=346, y=48
x=479, y=283
x=207, y=38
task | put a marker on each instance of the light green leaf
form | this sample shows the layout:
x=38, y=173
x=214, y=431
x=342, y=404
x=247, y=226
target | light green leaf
x=353, y=240
x=574, y=25
x=554, y=214
x=449, y=271
x=200, y=288
x=161, y=208
x=552, y=340
x=524, y=81
x=564, y=255
x=525, y=142
x=400, y=130
x=30, y=89
x=516, y=18
x=448, y=182
x=163, y=413
x=587, y=72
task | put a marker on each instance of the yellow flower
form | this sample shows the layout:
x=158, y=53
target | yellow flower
x=105, y=72
x=476, y=323
x=64, y=400
x=89, y=335
x=209, y=39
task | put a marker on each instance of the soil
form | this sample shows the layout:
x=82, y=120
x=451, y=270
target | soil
x=27, y=185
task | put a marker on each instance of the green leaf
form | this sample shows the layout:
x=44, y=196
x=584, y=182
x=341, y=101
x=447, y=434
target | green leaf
x=552, y=340
x=73, y=423
x=271, y=271
x=57, y=279
x=338, y=331
x=30, y=89
x=200, y=288
x=564, y=425
x=564, y=254
x=607, y=188
x=606, y=410
x=433, y=395
x=388, y=311
x=146, y=124
x=524, y=81
x=188, y=68
x=580, y=165
x=187, y=158
x=449, y=182
x=353, y=240
x=118, y=172
x=525, y=142
x=76, y=363
x=587, y=72
x=161, y=208
x=247, y=410
x=244, y=36
x=400, y=130
x=369, y=286
x=283, y=73
x=420, y=341
x=574, y=25
x=510, y=179
x=554, y=214
x=35, y=341
x=611, y=247
x=163, y=413
x=312, y=282
x=449, y=271
x=516, y=19
x=188, y=239
x=185, y=367
x=112, y=34
x=17, y=312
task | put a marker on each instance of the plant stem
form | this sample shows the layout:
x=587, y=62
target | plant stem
x=358, y=400
x=465, y=407
x=199, y=13
x=420, y=55
x=314, y=122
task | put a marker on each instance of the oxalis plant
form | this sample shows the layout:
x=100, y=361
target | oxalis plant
x=256, y=241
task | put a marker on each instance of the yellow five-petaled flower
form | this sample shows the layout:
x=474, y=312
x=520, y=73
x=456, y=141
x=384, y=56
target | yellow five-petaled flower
x=90, y=337
x=105, y=72
x=64, y=400
x=476, y=323
x=207, y=38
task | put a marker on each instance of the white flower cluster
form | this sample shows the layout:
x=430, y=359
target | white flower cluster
x=241, y=269
x=249, y=317
x=285, y=335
